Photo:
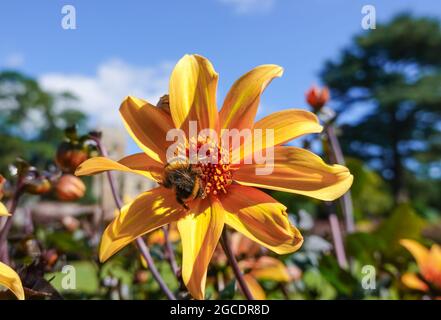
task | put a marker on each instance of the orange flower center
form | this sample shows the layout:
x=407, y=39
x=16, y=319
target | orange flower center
x=215, y=177
x=215, y=174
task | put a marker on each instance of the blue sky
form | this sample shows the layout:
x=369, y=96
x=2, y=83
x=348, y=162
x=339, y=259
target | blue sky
x=129, y=47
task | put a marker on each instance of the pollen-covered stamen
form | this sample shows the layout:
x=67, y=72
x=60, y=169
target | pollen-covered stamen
x=216, y=177
x=215, y=172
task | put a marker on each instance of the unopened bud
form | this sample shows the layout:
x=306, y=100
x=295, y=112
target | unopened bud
x=69, y=157
x=317, y=97
x=69, y=188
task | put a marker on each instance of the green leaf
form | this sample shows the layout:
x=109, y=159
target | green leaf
x=85, y=275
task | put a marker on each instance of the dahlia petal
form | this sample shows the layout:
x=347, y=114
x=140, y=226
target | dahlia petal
x=261, y=218
x=10, y=279
x=193, y=86
x=138, y=163
x=3, y=210
x=298, y=171
x=284, y=126
x=240, y=105
x=149, y=211
x=148, y=126
x=200, y=232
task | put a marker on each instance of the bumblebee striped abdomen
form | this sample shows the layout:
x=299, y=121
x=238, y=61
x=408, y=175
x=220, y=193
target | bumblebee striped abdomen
x=185, y=180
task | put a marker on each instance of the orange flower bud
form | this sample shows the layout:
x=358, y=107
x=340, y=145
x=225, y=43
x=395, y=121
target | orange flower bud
x=38, y=186
x=69, y=188
x=141, y=276
x=317, y=97
x=50, y=258
x=164, y=103
x=69, y=157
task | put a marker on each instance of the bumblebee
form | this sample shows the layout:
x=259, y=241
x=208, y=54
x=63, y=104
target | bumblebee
x=186, y=181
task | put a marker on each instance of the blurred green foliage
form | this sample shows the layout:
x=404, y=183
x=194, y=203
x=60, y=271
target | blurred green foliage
x=392, y=75
x=33, y=120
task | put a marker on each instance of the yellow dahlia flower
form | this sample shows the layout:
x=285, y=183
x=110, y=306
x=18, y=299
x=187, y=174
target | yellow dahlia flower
x=230, y=196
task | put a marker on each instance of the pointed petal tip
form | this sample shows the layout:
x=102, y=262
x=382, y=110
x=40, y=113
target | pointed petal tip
x=103, y=256
x=276, y=69
x=11, y=280
x=3, y=211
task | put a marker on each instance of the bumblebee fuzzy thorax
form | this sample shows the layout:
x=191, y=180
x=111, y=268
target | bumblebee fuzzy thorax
x=185, y=179
x=200, y=179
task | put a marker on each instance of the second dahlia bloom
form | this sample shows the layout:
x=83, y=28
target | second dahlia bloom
x=429, y=264
x=228, y=189
x=260, y=267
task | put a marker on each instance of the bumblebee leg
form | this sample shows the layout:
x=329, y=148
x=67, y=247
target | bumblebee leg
x=201, y=193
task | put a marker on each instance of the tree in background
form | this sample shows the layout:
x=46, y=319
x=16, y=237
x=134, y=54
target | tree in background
x=393, y=74
x=32, y=120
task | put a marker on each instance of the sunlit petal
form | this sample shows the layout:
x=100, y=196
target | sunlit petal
x=10, y=279
x=138, y=163
x=149, y=211
x=288, y=125
x=278, y=128
x=148, y=126
x=200, y=232
x=193, y=86
x=261, y=218
x=3, y=210
x=240, y=105
x=298, y=171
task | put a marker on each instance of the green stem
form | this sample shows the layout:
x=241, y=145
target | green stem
x=233, y=262
x=336, y=156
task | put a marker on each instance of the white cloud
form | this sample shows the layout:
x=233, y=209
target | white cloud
x=250, y=6
x=14, y=60
x=102, y=93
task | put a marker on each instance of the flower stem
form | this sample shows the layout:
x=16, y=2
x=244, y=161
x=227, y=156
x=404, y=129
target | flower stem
x=336, y=156
x=142, y=247
x=103, y=151
x=230, y=255
x=337, y=239
x=170, y=253
x=145, y=252
x=333, y=150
